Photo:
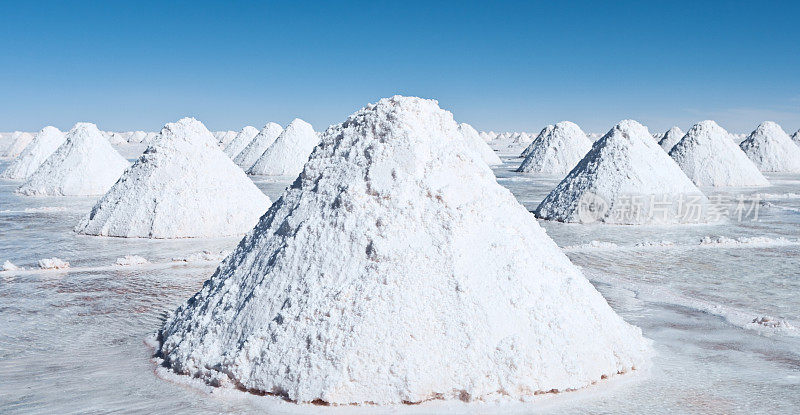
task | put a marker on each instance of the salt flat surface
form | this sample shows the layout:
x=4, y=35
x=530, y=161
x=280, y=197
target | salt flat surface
x=76, y=340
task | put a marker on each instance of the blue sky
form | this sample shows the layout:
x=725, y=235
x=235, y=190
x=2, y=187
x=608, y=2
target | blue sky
x=502, y=66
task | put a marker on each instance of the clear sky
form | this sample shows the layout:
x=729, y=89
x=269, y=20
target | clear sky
x=497, y=65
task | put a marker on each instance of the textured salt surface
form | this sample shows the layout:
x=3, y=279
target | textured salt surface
x=771, y=149
x=626, y=178
x=556, y=150
x=710, y=158
x=396, y=269
x=670, y=138
x=183, y=186
x=240, y=141
x=287, y=155
x=84, y=165
x=19, y=140
x=476, y=144
x=43, y=145
x=258, y=145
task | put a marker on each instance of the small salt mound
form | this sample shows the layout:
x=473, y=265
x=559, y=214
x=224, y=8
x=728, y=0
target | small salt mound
x=19, y=140
x=43, y=145
x=242, y=139
x=290, y=151
x=53, y=263
x=129, y=260
x=512, y=143
x=488, y=136
x=771, y=149
x=84, y=165
x=137, y=137
x=258, y=145
x=150, y=137
x=395, y=269
x=183, y=186
x=477, y=145
x=710, y=158
x=225, y=137
x=115, y=138
x=9, y=266
x=626, y=178
x=556, y=150
x=670, y=138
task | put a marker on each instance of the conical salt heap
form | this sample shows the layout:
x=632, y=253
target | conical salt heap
x=19, y=140
x=771, y=149
x=545, y=131
x=796, y=137
x=512, y=143
x=258, y=145
x=225, y=137
x=670, y=138
x=290, y=151
x=556, y=150
x=242, y=139
x=182, y=186
x=476, y=144
x=710, y=158
x=43, y=145
x=396, y=269
x=84, y=165
x=626, y=178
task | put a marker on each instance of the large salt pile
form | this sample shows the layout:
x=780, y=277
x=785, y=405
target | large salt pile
x=43, y=145
x=626, y=178
x=771, y=149
x=477, y=145
x=395, y=269
x=670, y=138
x=183, y=186
x=242, y=139
x=290, y=151
x=258, y=145
x=19, y=140
x=710, y=158
x=84, y=165
x=556, y=150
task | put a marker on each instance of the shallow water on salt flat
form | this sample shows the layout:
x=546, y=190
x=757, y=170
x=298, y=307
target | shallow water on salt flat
x=74, y=341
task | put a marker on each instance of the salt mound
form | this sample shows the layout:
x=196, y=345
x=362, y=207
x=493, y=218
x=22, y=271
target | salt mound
x=137, y=137
x=796, y=137
x=670, y=138
x=771, y=149
x=19, y=140
x=512, y=143
x=626, y=178
x=475, y=143
x=115, y=138
x=242, y=139
x=258, y=145
x=395, y=269
x=53, y=263
x=290, y=151
x=225, y=137
x=488, y=136
x=84, y=165
x=43, y=145
x=9, y=266
x=710, y=158
x=548, y=129
x=556, y=150
x=182, y=186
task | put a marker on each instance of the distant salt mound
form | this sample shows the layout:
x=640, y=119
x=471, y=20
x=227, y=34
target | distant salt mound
x=771, y=149
x=43, y=145
x=488, y=136
x=258, y=145
x=242, y=139
x=19, y=140
x=670, y=138
x=394, y=270
x=225, y=137
x=290, y=151
x=116, y=138
x=556, y=150
x=137, y=137
x=84, y=165
x=626, y=178
x=475, y=143
x=150, y=137
x=183, y=186
x=512, y=143
x=710, y=158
